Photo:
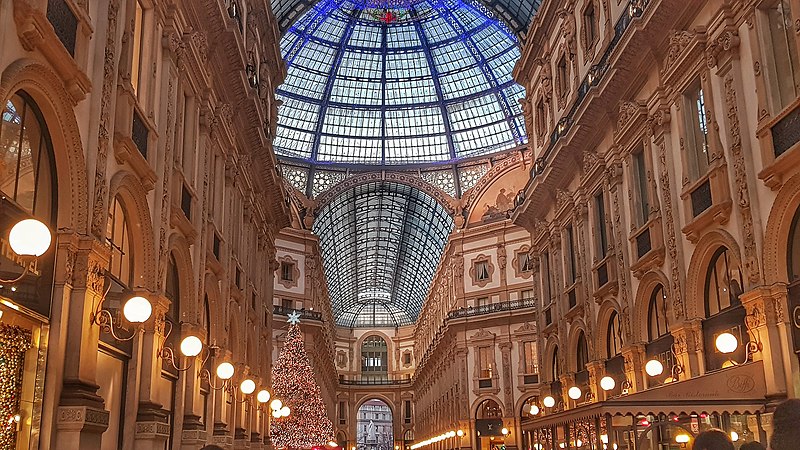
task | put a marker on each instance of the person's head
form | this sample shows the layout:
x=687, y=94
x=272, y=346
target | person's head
x=752, y=446
x=712, y=440
x=786, y=423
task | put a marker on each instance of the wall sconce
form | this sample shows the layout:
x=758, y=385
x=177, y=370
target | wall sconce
x=607, y=383
x=136, y=310
x=655, y=368
x=595, y=73
x=460, y=433
x=233, y=10
x=575, y=393
x=727, y=343
x=29, y=239
x=224, y=371
x=549, y=401
x=636, y=8
x=505, y=431
x=250, y=71
x=190, y=347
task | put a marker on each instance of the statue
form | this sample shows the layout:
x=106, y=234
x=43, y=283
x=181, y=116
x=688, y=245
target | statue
x=371, y=437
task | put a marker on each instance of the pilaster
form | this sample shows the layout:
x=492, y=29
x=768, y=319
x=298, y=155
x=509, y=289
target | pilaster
x=688, y=346
x=768, y=325
x=634, y=366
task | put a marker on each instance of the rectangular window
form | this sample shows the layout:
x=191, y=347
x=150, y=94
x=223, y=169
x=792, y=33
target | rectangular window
x=563, y=75
x=602, y=233
x=641, y=199
x=287, y=304
x=481, y=270
x=530, y=357
x=524, y=260
x=526, y=294
x=485, y=360
x=407, y=411
x=406, y=358
x=540, y=117
x=138, y=45
x=480, y=301
x=590, y=24
x=783, y=75
x=570, y=254
x=697, y=156
x=287, y=271
x=342, y=413
x=547, y=279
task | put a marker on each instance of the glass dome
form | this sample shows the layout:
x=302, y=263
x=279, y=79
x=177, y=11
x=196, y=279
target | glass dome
x=392, y=82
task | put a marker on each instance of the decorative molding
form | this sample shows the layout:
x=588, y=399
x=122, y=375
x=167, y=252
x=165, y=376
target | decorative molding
x=672, y=241
x=751, y=264
x=490, y=268
x=287, y=259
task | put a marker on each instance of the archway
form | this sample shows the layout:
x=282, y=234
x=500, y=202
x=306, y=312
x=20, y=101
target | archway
x=490, y=433
x=374, y=430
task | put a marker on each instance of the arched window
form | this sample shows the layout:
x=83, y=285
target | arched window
x=793, y=256
x=26, y=167
x=555, y=367
x=614, y=338
x=723, y=283
x=118, y=236
x=582, y=353
x=374, y=355
x=656, y=318
x=172, y=291
x=489, y=409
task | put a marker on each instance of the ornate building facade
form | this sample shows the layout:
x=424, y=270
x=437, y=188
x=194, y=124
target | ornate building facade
x=140, y=133
x=663, y=216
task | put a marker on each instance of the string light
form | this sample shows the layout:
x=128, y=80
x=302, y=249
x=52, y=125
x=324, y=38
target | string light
x=14, y=342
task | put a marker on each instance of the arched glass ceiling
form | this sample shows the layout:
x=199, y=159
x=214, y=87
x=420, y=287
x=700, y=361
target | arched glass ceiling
x=381, y=244
x=430, y=83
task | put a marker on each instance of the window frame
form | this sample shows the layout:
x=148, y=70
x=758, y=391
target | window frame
x=657, y=312
x=772, y=77
x=614, y=337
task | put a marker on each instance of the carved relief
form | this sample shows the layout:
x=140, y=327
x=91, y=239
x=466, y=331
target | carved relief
x=751, y=267
x=291, y=278
x=678, y=42
x=672, y=243
x=99, y=210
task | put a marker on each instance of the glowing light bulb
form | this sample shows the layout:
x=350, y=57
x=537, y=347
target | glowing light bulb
x=534, y=410
x=191, y=346
x=248, y=386
x=137, y=310
x=575, y=392
x=460, y=433
x=682, y=438
x=29, y=237
x=263, y=396
x=726, y=343
x=607, y=383
x=654, y=368
x=276, y=405
x=734, y=436
x=285, y=411
x=225, y=371
x=549, y=401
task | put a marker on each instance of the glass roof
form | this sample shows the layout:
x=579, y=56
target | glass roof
x=394, y=82
x=381, y=244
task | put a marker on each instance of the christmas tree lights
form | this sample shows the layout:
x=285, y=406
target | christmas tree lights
x=293, y=381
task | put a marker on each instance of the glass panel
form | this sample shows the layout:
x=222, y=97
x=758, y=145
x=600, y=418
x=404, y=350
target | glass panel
x=136, y=50
x=785, y=73
x=359, y=90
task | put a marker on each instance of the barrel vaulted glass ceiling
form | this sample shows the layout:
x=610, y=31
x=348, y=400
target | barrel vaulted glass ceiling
x=381, y=244
x=426, y=82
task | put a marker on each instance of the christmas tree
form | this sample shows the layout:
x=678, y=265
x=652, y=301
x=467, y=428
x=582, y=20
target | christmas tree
x=293, y=382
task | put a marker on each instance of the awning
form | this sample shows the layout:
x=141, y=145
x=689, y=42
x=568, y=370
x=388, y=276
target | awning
x=736, y=390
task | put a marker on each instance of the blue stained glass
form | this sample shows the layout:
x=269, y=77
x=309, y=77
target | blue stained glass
x=364, y=90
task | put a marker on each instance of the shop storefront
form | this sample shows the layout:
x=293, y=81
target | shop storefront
x=663, y=418
x=26, y=283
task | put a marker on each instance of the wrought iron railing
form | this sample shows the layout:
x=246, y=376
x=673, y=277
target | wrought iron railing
x=634, y=10
x=374, y=381
x=509, y=305
x=304, y=313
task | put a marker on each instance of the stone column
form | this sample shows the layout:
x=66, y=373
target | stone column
x=688, y=347
x=81, y=416
x=634, y=366
x=222, y=434
x=152, y=424
x=765, y=305
x=597, y=370
x=193, y=432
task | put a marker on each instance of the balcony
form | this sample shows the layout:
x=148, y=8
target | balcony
x=304, y=314
x=372, y=380
x=509, y=305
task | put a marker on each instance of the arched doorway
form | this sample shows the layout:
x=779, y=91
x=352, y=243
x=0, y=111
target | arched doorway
x=374, y=426
x=490, y=433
